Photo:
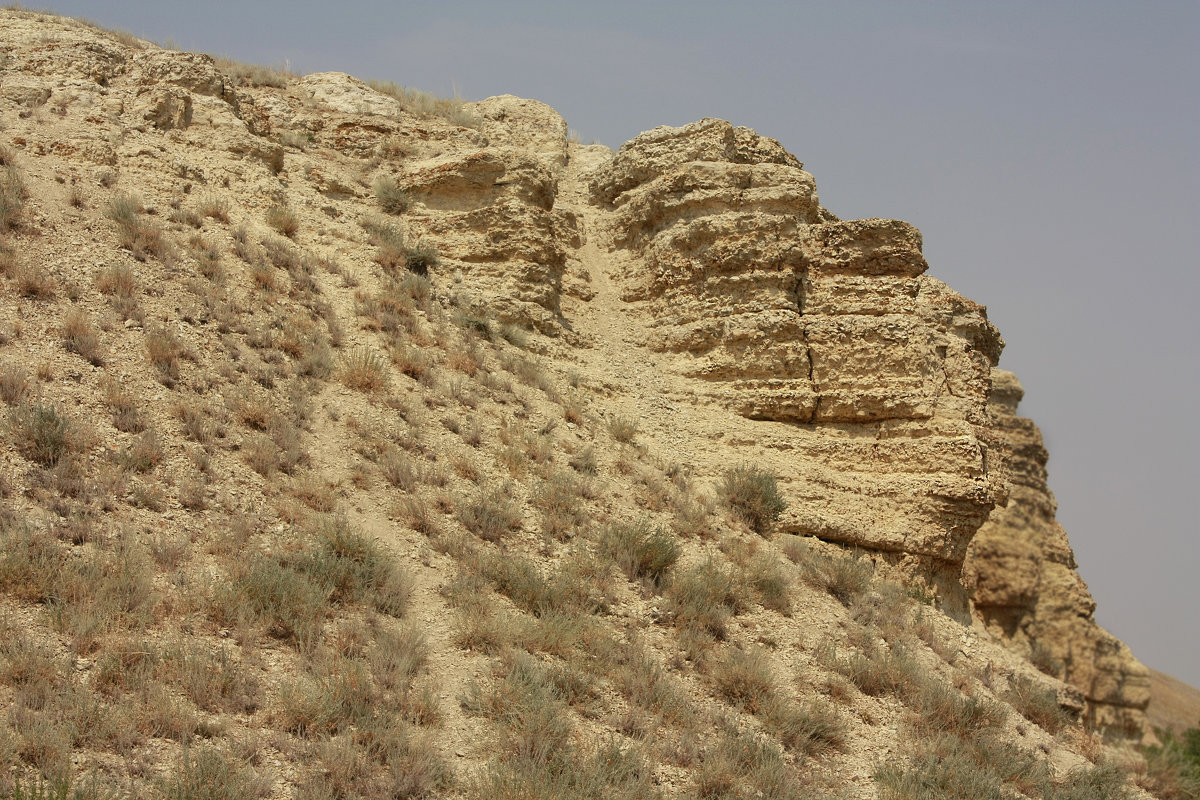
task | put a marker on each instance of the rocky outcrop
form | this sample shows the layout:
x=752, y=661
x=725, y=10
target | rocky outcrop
x=1025, y=588
x=786, y=314
x=900, y=435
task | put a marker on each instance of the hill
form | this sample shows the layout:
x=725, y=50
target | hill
x=361, y=443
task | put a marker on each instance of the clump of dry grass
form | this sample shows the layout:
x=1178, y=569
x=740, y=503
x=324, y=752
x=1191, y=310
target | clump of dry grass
x=392, y=199
x=165, y=350
x=640, y=550
x=623, y=429
x=364, y=370
x=491, y=514
x=81, y=338
x=415, y=101
x=12, y=193
x=45, y=435
x=283, y=220
x=845, y=576
x=1038, y=704
x=215, y=207
x=117, y=280
x=703, y=597
x=14, y=384
x=141, y=237
x=753, y=495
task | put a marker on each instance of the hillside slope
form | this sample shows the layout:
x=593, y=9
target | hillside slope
x=361, y=444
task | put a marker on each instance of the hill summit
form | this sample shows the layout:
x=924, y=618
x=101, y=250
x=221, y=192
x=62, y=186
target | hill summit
x=361, y=443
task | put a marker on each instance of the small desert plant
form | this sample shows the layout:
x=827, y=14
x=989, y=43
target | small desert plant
x=623, y=429
x=980, y=768
x=584, y=461
x=845, y=576
x=283, y=220
x=415, y=101
x=213, y=679
x=14, y=384
x=117, y=280
x=143, y=454
x=215, y=207
x=1173, y=767
x=771, y=581
x=141, y=237
x=558, y=498
x=421, y=257
x=808, y=727
x=704, y=597
x=81, y=338
x=392, y=199
x=44, y=434
x=12, y=194
x=744, y=678
x=364, y=370
x=753, y=495
x=640, y=550
x=490, y=514
x=1101, y=782
x=398, y=469
x=35, y=282
x=254, y=74
x=1037, y=703
x=208, y=773
x=165, y=350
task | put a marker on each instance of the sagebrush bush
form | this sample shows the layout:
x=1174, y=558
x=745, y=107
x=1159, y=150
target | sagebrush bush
x=704, y=597
x=12, y=195
x=44, y=434
x=81, y=338
x=1037, y=703
x=753, y=494
x=392, y=199
x=640, y=550
x=283, y=220
x=491, y=514
x=363, y=369
x=623, y=429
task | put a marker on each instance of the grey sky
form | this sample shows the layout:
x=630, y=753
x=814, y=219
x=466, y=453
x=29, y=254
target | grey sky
x=1048, y=151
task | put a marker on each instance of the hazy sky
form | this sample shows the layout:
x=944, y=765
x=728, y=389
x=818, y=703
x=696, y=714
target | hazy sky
x=1047, y=150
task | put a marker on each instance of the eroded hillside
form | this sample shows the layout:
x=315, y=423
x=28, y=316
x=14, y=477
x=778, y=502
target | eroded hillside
x=361, y=444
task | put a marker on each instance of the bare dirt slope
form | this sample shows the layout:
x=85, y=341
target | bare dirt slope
x=1174, y=704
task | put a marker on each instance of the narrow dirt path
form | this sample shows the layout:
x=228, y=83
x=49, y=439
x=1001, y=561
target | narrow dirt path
x=618, y=358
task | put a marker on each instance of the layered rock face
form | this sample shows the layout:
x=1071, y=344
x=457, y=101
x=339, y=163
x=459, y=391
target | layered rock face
x=900, y=435
x=787, y=314
x=1026, y=590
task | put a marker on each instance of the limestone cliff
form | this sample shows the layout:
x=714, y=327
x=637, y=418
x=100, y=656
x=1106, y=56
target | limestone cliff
x=901, y=433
